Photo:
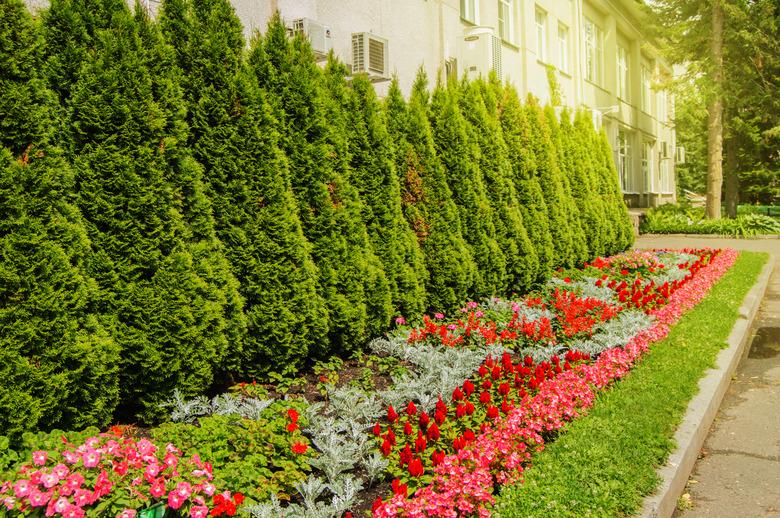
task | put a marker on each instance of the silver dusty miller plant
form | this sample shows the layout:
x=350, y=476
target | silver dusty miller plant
x=186, y=411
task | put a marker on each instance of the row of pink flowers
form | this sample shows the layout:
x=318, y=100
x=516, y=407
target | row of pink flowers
x=464, y=482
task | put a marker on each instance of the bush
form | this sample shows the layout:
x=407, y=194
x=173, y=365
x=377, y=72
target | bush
x=677, y=219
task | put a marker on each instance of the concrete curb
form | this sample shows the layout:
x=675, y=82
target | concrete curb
x=704, y=406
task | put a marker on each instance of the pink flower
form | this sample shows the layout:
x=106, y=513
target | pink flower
x=145, y=447
x=199, y=511
x=61, y=470
x=209, y=488
x=171, y=460
x=71, y=457
x=9, y=502
x=438, y=316
x=73, y=511
x=39, y=457
x=38, y=498
x=175, y=501
x=22, y=488
x=61, y=505
x=400, y=321
x=157, y=489
x=183, y=489
x=50, y=480
x=91, y=458
x=127, y=513
x=153, y=469
x=82, y=497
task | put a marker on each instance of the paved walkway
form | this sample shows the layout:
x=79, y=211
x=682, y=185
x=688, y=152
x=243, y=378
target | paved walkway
x=738, y=471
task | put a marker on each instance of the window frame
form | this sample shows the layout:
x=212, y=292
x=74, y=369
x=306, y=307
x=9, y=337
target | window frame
x=594, y=52
x=506, y=24
x=540, y=21
x=469, y=5
x=647, y=92
x=624, y=162
x=563, y=48
x=623, y=85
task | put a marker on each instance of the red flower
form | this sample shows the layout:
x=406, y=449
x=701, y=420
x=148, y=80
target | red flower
x=300, y=448
x=468, y=386
x=386, y=448
x=293, y=415
x=416, y=467
x=484, y=398
x=492, y=412
x=377, y=504
x=398, y=488
x=424, y=420
x=292, y=427
x=377, y=430
x=487, y=384
x=411, y=409
x=420, y=443
x=392, y=415
x=437, y=457
x=503, y=389
x=407, y=428
x=390, y=436
x=433, y=432
x=496, y=372
x=469, y=408
x=238, y=498
x=457, y=394
x=405, y=455
x=460, y=411
x=469, y=436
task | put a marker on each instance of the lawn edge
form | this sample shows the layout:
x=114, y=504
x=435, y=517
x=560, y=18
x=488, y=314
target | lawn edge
x=701, y=411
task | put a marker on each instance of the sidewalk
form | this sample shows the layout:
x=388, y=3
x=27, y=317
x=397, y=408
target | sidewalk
x=738, y=471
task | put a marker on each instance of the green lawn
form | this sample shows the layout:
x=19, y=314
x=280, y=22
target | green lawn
x=604, y=463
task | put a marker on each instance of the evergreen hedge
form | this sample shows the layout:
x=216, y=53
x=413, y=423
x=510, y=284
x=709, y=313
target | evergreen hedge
x=218, y=213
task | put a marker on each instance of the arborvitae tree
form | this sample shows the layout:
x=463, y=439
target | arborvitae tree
x=234, y=137
x=617, y=212
x=57, y=359
x=550, y=180
x=427, y=199
x=579, y=244
x=459, y=155
x=580, y=176
x=373, y=173
x=171, y=320
x=351, y=280
x=516, y=131
x=586, y=144
x=479, y=106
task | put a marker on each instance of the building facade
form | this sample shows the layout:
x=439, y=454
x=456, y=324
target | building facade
x=594, y=49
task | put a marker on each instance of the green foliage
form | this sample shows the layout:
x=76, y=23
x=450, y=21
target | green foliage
x=427, y=199
x=131, y=183
x=533, y=207
x=252, y=457
x=598, y=467
x=459, y=155
x=479, y=106
x=57, y=359
x=622, y=234
x=674, y=219
x=351, y=279
x=373, y=173
x=234, y=136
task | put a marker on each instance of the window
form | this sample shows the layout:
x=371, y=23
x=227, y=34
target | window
x=624, y=161
x=593, y=52
x=622, y=73
x=647, y=166
x=666, y=179
x=663, y=113
x=646, y=92
x=469, y=11
x=506, y=20
x=541, y=35
x=563, y=48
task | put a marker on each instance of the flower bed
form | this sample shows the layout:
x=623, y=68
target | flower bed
x=437, y=444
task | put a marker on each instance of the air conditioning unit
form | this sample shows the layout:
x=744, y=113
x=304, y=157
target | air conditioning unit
x=317, y=33
x=680, y=155
x=369, y=56
x=481, y=53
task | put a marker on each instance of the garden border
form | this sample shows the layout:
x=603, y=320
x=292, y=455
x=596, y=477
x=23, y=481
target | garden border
x=704, y=406
x=757, y=237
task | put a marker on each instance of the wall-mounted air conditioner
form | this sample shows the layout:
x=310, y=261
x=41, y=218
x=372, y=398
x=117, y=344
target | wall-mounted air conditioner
x=370, y=56
x=481, y=53
x=317, y=33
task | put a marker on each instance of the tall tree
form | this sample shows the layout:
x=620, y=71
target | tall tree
x=351, y=279
x=459, y=155
x=57, y=355
x=480, y=107
x=234, y=136
x=171, y=321
x=372, y=167
x=427, y=199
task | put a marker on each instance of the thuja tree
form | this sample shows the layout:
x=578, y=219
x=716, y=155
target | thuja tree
x=516, y=132
x=580, y=173
x=351, y=280
x=550, y=179
x=622, y=235
x=372, y=155
x=427, y=199
x=479, y=106
x=170, y=323
x=565, y=163
x=234, y=136
x=57, y=358
x=459, y=155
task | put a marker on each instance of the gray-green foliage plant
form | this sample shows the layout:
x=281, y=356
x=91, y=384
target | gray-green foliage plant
x=58, y=358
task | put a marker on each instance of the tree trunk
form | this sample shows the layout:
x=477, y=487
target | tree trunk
x=715, y=116
x=732, y=177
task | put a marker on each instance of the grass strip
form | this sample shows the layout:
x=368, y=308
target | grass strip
x=603, y=464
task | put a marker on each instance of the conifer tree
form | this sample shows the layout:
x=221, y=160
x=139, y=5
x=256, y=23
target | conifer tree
x=622, y=234
x=171, y=321
x=459, y=155
x=427, y=199
x=373, y=173
x=234, y=136
x=580, y=176
x=351, y=279
x=57, y=355
x=579, y=247
x=479, y=106
x=599, y=237
x=550, y=180
x=516, y=130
